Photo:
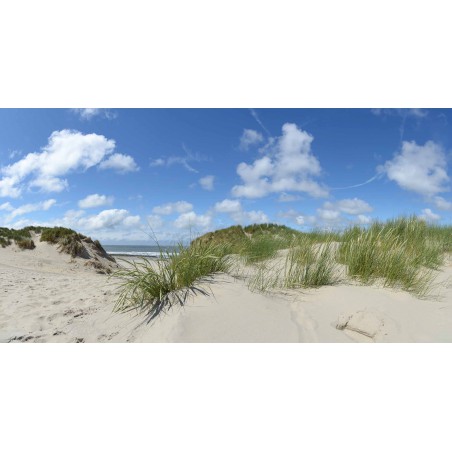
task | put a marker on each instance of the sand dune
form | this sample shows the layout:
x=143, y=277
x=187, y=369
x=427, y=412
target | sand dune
x=46, y=296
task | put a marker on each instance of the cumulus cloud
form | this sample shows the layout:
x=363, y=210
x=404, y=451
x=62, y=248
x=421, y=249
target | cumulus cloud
x=27, y=208
x=120, y=162
x=192, y=220
x=288, y=166
x=328, y=214
x=95, y=200
x=67, y=151
x=228, y=206
x=250, y=138
x=107, y=219
x=429, y=216
x=422, y=169
x=441, y=203
x=207, y=182
x=173, y=207
x=236, y=212
x=353, y=206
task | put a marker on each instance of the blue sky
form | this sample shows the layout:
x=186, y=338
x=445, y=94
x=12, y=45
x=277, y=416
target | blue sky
x=117, y=174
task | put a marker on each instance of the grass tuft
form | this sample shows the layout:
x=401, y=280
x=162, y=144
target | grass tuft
x=154, y=286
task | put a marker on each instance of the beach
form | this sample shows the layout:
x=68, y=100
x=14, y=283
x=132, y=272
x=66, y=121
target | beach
x=47, y=296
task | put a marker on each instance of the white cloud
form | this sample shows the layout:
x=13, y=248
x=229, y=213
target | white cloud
x=107, y=219
x=428, y=215
x=422, y=169
x=228, y=206
x=328, y=214
x=89, y=113
x=290, y=166
x=155, y=222
x=207, y=182
x=6, y=206
x=285, y=197
x=364, y=219
x=303, y=220
x=235, y=210
x=8, y=187
x=173, y=207
x=120, y=162
x=353, y=206
x=95, y=200
x=66, y=151
x=250, y=138
x=192, y=220
x=157, y=162
x=27, y=208
x=441, y=203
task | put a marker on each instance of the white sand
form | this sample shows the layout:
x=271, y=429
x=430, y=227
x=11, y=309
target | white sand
x=46, y=296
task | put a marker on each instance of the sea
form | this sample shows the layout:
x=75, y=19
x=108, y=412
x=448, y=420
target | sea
x=136, y=250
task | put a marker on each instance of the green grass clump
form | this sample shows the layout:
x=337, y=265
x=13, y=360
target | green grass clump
x=25, y=244
x=155, y=286
x=400, y=253
x=71, y=244
x=4, y=242
x=54, y=235
x=261, y=248
x=307, y=264
x=310, y=265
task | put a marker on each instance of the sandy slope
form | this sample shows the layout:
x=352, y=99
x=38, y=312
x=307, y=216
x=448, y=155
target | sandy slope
x=46, y=296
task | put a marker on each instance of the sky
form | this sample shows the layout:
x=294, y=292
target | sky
x=125, y=175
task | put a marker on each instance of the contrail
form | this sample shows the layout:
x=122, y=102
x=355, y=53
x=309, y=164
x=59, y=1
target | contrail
x=256, y=117
x=377, y=176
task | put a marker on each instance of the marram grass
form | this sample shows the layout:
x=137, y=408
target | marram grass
x=155, y=286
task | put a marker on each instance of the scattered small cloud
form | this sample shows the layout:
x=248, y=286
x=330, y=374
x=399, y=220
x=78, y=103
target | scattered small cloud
x=234, y=209
x=121, y=163
x=207, y=182
x=364, y=219
x=190, y=220
x=441, y=203
x=286, y=197
x=27, y=208
x=250, y=138
x=353, y=206
x=173, y=207
x=402, y=112
x=89, y=113
x=180, y=160
x=6, y=206
x=95, y=200
x=429, y=216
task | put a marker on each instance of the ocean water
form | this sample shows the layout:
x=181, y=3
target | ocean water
x=136, y=250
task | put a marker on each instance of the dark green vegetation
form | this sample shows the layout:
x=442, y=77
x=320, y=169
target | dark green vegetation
x=401, y=253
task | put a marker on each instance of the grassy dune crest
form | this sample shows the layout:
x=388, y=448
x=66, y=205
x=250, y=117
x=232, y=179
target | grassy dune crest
x=401, y=253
